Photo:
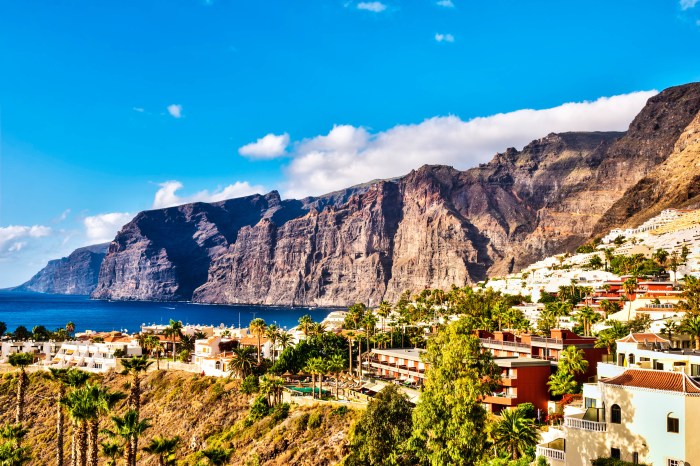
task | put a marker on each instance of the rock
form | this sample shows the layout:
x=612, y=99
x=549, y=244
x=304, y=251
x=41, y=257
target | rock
x=76, y=274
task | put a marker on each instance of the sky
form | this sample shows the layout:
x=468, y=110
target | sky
x=109, y=108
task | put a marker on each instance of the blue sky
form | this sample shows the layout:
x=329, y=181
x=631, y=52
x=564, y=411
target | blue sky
x=109, y=108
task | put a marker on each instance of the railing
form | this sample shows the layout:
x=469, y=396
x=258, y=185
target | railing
x=512, y=344
x=582, y=424
x=551, y=453
x=399, y=368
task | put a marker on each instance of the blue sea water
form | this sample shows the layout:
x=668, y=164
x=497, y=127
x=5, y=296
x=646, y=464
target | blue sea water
x=54, y=311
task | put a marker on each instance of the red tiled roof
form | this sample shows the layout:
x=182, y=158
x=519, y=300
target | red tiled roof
x=643, y=338
x=656, y=380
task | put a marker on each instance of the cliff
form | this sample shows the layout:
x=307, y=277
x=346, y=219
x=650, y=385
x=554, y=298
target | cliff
x=75, y=274
x=434, y=227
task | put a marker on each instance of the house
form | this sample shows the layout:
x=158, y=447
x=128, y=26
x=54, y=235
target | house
x=43, y=350
x=641, y=416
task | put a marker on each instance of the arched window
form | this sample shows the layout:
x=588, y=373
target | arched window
x=672, y=423
x=615, y=414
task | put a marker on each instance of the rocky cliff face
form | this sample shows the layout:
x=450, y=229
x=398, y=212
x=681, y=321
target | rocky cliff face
x=75, y=274
x=434, y=227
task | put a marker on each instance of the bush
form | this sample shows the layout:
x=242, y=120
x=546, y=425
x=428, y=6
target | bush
x=340, y=411
x=259, y=409
x=280, y=412
x=612, y=462
x=302, y=422
x=250, y=385
x=528, y=410
x=315, y=420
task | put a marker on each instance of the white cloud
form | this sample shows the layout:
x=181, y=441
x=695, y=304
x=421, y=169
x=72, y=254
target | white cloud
x=104, y=227
x=175, y=110
x=267, y=147
x=376, y=7
x=444, y=38
x=64, y=215
x=446, y=3
x=349, y=155
x=167, y=196
x=14, y=237
x=688, y=4
x=138, y=109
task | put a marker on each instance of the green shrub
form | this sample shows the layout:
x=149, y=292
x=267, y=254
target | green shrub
x=280, y=412
x=250, y=385
x=259, y=409
x=315, y=420
x=340, y=411
x=302, y=422
x=528, y=410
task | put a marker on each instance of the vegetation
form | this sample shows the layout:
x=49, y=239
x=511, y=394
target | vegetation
x=572, y=361
x=515, y=433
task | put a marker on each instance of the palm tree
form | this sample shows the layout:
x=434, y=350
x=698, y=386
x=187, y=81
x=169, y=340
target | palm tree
x=609, y=307
x=257, y=327
x=80, y=410
x=21, y=360
x=59, y=376
x=315, y=366
x=273, y=334
x=691, y=326
x=11, y=451
x=317, y=328
x=129, y=427
x=351, y=339
x=285, y=339
x=164, y=448
x=217, y=456
x=271, y=387
x=383, y=312
x=335, y=365
x=135, y=365
x=174, y=330
x=70, y=328
x=75, y=378
x=587, y=317
x=572, y=360
x=670, y=328
x=629, y=285
x=242, y=361
x=152, y=344
x=111, y=450
x=305, y=322
x=102, y=401
x=515, y=433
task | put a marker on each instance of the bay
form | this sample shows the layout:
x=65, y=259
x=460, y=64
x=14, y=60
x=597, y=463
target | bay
x=54, y=311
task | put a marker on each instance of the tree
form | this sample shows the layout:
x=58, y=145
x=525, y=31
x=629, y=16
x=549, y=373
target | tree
x=660, y=256
x=383, y=312
x=609, y=307
x=273, y=334
x=80, y=410
x=12, y=453
x=305, y=322
x=285, y=339
x=449, y=420
x=75, y=379
x=134, y=366
x=3, y=328
x=101, y=402
x=59, y=376
x=315, y=366
x=174, y=330
x=514, y=433
x=241, y=362
x=153, y=344
x=335, y=365
x=112, y=450
x=572, y=361
x=21, y=333
x=70, y=328
x=380, y=436
x=164, y=449
x=21, y=360
x=629, y=285
x=587, y=317
x=217, y=456
x=271, y=387
x=691, y=326
x=690, y=295
x=257, y=328
x=129, y=427
x=595, y=262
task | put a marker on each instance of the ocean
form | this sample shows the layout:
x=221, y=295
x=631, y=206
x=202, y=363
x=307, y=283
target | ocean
x=54, y=311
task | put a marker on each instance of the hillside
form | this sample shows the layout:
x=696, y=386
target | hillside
x=204, y=412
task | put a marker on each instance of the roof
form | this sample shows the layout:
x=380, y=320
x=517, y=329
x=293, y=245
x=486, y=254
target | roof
x=252, y=340
x=655, y=380
x=643, y=338
x=520, y=362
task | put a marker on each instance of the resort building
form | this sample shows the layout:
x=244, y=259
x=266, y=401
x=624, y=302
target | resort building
x=96, y=357
x=41, y=349
x=401, y=364
x=507, y=344
x=640, y=416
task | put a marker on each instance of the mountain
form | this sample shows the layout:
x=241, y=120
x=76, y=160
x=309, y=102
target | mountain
x=75, y=274
x=434, y=227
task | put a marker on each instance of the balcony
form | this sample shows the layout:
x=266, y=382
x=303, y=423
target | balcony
x=551, y=453
x=509, y=345
x=582, y=424
x=553, y=343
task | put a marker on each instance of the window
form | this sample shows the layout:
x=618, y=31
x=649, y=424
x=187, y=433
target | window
x=675, y=462
x=631, y=359
x=589, y=402
x=695, y=370
x=615, y=414
x=672, y=424
x=615, y=453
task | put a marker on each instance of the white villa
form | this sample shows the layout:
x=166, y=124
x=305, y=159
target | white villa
x=42, y=349
x=95, y=357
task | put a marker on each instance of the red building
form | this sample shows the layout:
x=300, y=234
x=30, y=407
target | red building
x=523, y=380
x=507, y=344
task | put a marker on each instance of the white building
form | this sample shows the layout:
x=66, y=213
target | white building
x=43, y=350
x=95, y=357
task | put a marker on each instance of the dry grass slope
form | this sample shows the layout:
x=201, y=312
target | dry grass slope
x=204, y=412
